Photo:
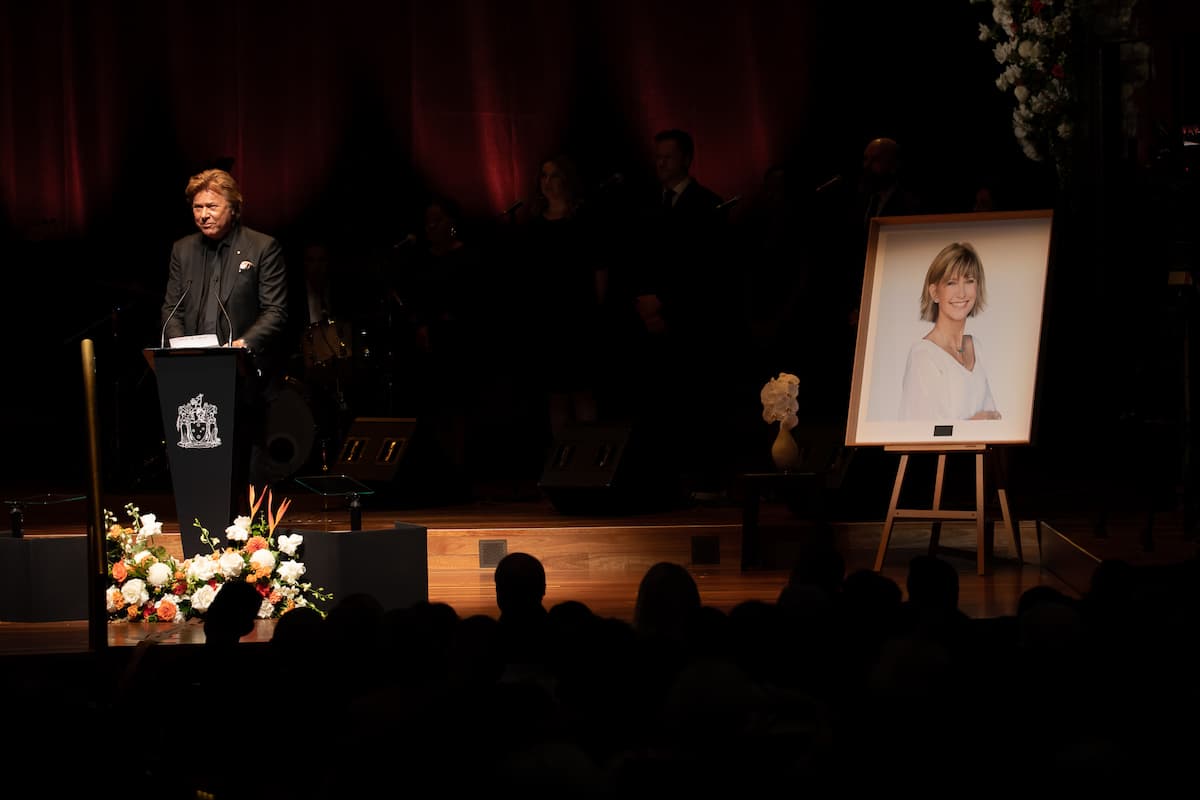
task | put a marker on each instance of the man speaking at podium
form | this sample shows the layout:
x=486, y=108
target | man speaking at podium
x=230, y=281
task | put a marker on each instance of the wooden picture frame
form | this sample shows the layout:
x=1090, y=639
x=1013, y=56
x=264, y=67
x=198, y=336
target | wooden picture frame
x=892, y=354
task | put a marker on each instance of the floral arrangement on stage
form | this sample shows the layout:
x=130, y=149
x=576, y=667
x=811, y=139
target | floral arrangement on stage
x=780, y=404
x=1031, y=43
x=779, y=400
x=148, y=584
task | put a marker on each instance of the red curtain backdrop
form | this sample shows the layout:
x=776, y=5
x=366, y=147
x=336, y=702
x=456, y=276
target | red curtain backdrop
x=355, y=105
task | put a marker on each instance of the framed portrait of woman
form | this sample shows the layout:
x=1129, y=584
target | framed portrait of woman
x=949, y=329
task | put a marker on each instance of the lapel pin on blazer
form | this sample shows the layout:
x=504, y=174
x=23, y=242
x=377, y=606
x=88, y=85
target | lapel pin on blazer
x=245, y=265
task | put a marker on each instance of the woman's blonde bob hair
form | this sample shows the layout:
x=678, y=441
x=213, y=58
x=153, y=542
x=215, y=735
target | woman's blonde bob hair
x=957, y=259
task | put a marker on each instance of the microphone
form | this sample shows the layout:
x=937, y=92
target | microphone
x=730, y=203
x=829, y=184
x=512, y=209
x=227, y=320
x=407, y=240
x=162, y=339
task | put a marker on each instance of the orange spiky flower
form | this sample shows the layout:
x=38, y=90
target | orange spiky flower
x=254, y=504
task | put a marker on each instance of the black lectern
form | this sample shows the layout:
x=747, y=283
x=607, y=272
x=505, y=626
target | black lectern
x=200, y=393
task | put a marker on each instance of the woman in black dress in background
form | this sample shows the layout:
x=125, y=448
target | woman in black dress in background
x=568, y=281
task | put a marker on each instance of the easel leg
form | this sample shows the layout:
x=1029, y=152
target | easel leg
x=981, y=546
x=1000, y=469
x=891, y=514
x=935, y=533
x=1012, y=526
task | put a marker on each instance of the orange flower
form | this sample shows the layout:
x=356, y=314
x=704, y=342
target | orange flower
x=274, y=597
x=119, y=572
x=132, y=611
x=254, y=504
x=274, y=518
x=166, y=610
x=255, y=543
x=116, y=531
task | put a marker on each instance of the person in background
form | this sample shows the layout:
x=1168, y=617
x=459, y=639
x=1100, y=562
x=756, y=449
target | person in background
x=569, y=285
x=437, y=291
x=883, y=189
x=687, y=308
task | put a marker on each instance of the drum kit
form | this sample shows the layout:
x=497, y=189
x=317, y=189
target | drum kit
x=339, y=360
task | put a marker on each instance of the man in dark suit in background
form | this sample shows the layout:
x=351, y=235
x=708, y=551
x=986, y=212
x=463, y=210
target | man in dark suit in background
x=685, y=310
x=231, y=281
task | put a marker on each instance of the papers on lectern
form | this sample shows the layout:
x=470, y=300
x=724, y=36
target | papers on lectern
x=198, y=340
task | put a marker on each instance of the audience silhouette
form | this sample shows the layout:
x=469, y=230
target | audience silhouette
x=561, y=700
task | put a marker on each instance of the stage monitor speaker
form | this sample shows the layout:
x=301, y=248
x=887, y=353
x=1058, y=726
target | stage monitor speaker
x=374, y=448
x=609, y=468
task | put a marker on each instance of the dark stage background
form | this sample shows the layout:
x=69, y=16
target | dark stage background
x=339, y=119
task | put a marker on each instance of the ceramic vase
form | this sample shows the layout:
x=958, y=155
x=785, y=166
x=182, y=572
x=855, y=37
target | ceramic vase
x=784, y=450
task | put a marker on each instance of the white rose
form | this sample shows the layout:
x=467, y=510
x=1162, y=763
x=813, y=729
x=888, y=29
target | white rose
x=290, y=571
x=201, y=569
x=1021, y=93
x=141, y=556
x=262, y=558
x=239, y=531
x=159, y=574
x=231, y=564
x=202, y=598
x=1028, y=50
x=134, y=592
x=111, y=596
x=288, y=544
x=150, y=527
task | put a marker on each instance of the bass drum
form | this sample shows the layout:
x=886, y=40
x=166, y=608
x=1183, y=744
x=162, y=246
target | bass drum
x=291, y=432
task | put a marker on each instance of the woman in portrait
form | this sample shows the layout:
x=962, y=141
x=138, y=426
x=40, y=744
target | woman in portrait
x=944, y=378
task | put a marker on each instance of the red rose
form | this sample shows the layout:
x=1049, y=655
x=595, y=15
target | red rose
x=1057, y=71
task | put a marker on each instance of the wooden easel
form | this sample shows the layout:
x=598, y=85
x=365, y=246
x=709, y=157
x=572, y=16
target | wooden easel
x=937, y=515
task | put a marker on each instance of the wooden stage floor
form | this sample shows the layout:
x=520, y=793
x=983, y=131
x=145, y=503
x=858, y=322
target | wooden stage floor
x=600, y=560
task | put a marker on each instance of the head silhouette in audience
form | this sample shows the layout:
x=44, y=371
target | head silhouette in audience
x=232, y=613
x=667, y=600
x=299, y=628
x=520, y=586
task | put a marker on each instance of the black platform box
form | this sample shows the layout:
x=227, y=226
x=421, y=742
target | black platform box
x=390, y=564
x=43, y=578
